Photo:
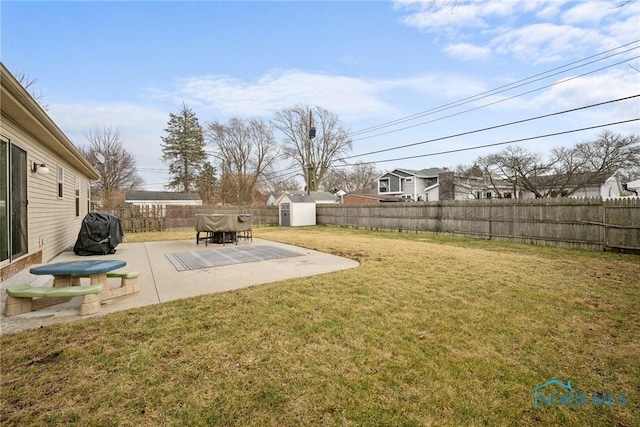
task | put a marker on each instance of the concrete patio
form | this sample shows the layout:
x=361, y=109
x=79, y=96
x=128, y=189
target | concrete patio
x=160, y=281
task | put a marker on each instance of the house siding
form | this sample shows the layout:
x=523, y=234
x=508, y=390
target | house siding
x=394, y=184
x=52, y=224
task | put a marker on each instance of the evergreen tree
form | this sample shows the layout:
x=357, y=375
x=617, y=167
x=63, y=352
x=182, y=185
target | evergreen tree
x=207, y=184
x=183, y=149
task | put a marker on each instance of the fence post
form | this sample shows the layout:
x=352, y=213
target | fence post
x=490, y=218
x=604, y=225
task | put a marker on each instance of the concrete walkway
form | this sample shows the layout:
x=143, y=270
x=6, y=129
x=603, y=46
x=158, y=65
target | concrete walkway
x=161, y=282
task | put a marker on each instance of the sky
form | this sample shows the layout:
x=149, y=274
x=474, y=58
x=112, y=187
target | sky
x=427, y=75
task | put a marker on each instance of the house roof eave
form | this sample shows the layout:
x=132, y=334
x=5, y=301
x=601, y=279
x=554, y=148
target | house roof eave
x=20, y=107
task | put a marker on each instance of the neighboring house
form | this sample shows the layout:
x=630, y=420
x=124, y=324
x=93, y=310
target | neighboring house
x=633, y=187
x=162, y=199
x=408, y=184
x=605, y=185
x=455, y=187
x=441, y=184
x=434, y=184
x=356, y=198
x=44, y=182
x=272, y=199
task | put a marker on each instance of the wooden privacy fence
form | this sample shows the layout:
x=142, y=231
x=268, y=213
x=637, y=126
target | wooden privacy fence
x=135, y=219
x=588, y=223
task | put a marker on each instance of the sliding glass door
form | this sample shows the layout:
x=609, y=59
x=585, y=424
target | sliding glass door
x=4, y=201
x=13, y=202
x=18, y=201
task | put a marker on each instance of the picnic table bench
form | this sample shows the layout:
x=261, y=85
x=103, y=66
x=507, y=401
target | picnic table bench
x=25, y=298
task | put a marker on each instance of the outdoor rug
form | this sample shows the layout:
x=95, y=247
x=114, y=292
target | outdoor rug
x=183, y=261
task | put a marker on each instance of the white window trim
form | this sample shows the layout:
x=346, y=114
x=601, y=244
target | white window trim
x=78, y=207
x=60, y=187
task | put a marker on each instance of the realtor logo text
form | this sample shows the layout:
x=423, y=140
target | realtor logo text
x=567, y=396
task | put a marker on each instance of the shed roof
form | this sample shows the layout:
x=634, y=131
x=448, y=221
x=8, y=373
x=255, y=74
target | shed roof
x=298, y=198
x=318, y=196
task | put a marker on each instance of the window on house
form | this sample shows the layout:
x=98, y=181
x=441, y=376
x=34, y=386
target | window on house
x=60, y=181
x=77, y=196
x=488, y=195
x=478, y=195
x=409, y=179
x=506, y=195
x=383, y=186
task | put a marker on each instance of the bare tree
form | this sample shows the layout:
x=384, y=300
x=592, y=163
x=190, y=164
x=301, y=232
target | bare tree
x=568, y=170
x=314, y=156
x=516, y=166
x=610, y=152
x=247, y=151
x=359, y=178
x=278, y=183
x=30, y=85
x=115, y=164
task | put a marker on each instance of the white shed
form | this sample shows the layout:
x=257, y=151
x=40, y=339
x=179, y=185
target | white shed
x=296, y=210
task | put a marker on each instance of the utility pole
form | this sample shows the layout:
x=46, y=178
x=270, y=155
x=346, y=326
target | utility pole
x=312, y=134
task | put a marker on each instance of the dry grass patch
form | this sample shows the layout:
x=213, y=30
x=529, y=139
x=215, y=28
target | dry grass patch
x=428, y=331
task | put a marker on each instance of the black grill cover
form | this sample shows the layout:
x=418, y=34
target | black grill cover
x=99, y=235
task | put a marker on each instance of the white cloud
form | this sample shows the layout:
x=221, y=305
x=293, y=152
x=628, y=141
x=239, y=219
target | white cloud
x=588, y=13
x=582, y=92
x=446, y=19
x=532, y=31
x=467, y=51
x=349, y=97
x=616, y=83
x=541, y=43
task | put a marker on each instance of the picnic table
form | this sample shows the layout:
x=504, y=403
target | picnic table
x=66, y=285
x=62, y=272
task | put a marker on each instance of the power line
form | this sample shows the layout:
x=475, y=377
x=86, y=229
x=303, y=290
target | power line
x=498, y=89
x=476, y=147
x=490, y=128
x=497, y=102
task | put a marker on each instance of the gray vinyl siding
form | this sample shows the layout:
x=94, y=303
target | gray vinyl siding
x=394, y=183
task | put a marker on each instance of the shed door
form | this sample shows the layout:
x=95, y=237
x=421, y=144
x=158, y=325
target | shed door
x=285, y=214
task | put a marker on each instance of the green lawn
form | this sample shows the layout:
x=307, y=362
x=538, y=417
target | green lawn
x=429, y=330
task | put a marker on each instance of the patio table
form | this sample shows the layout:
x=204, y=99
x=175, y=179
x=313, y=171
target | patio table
x=217, y=226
